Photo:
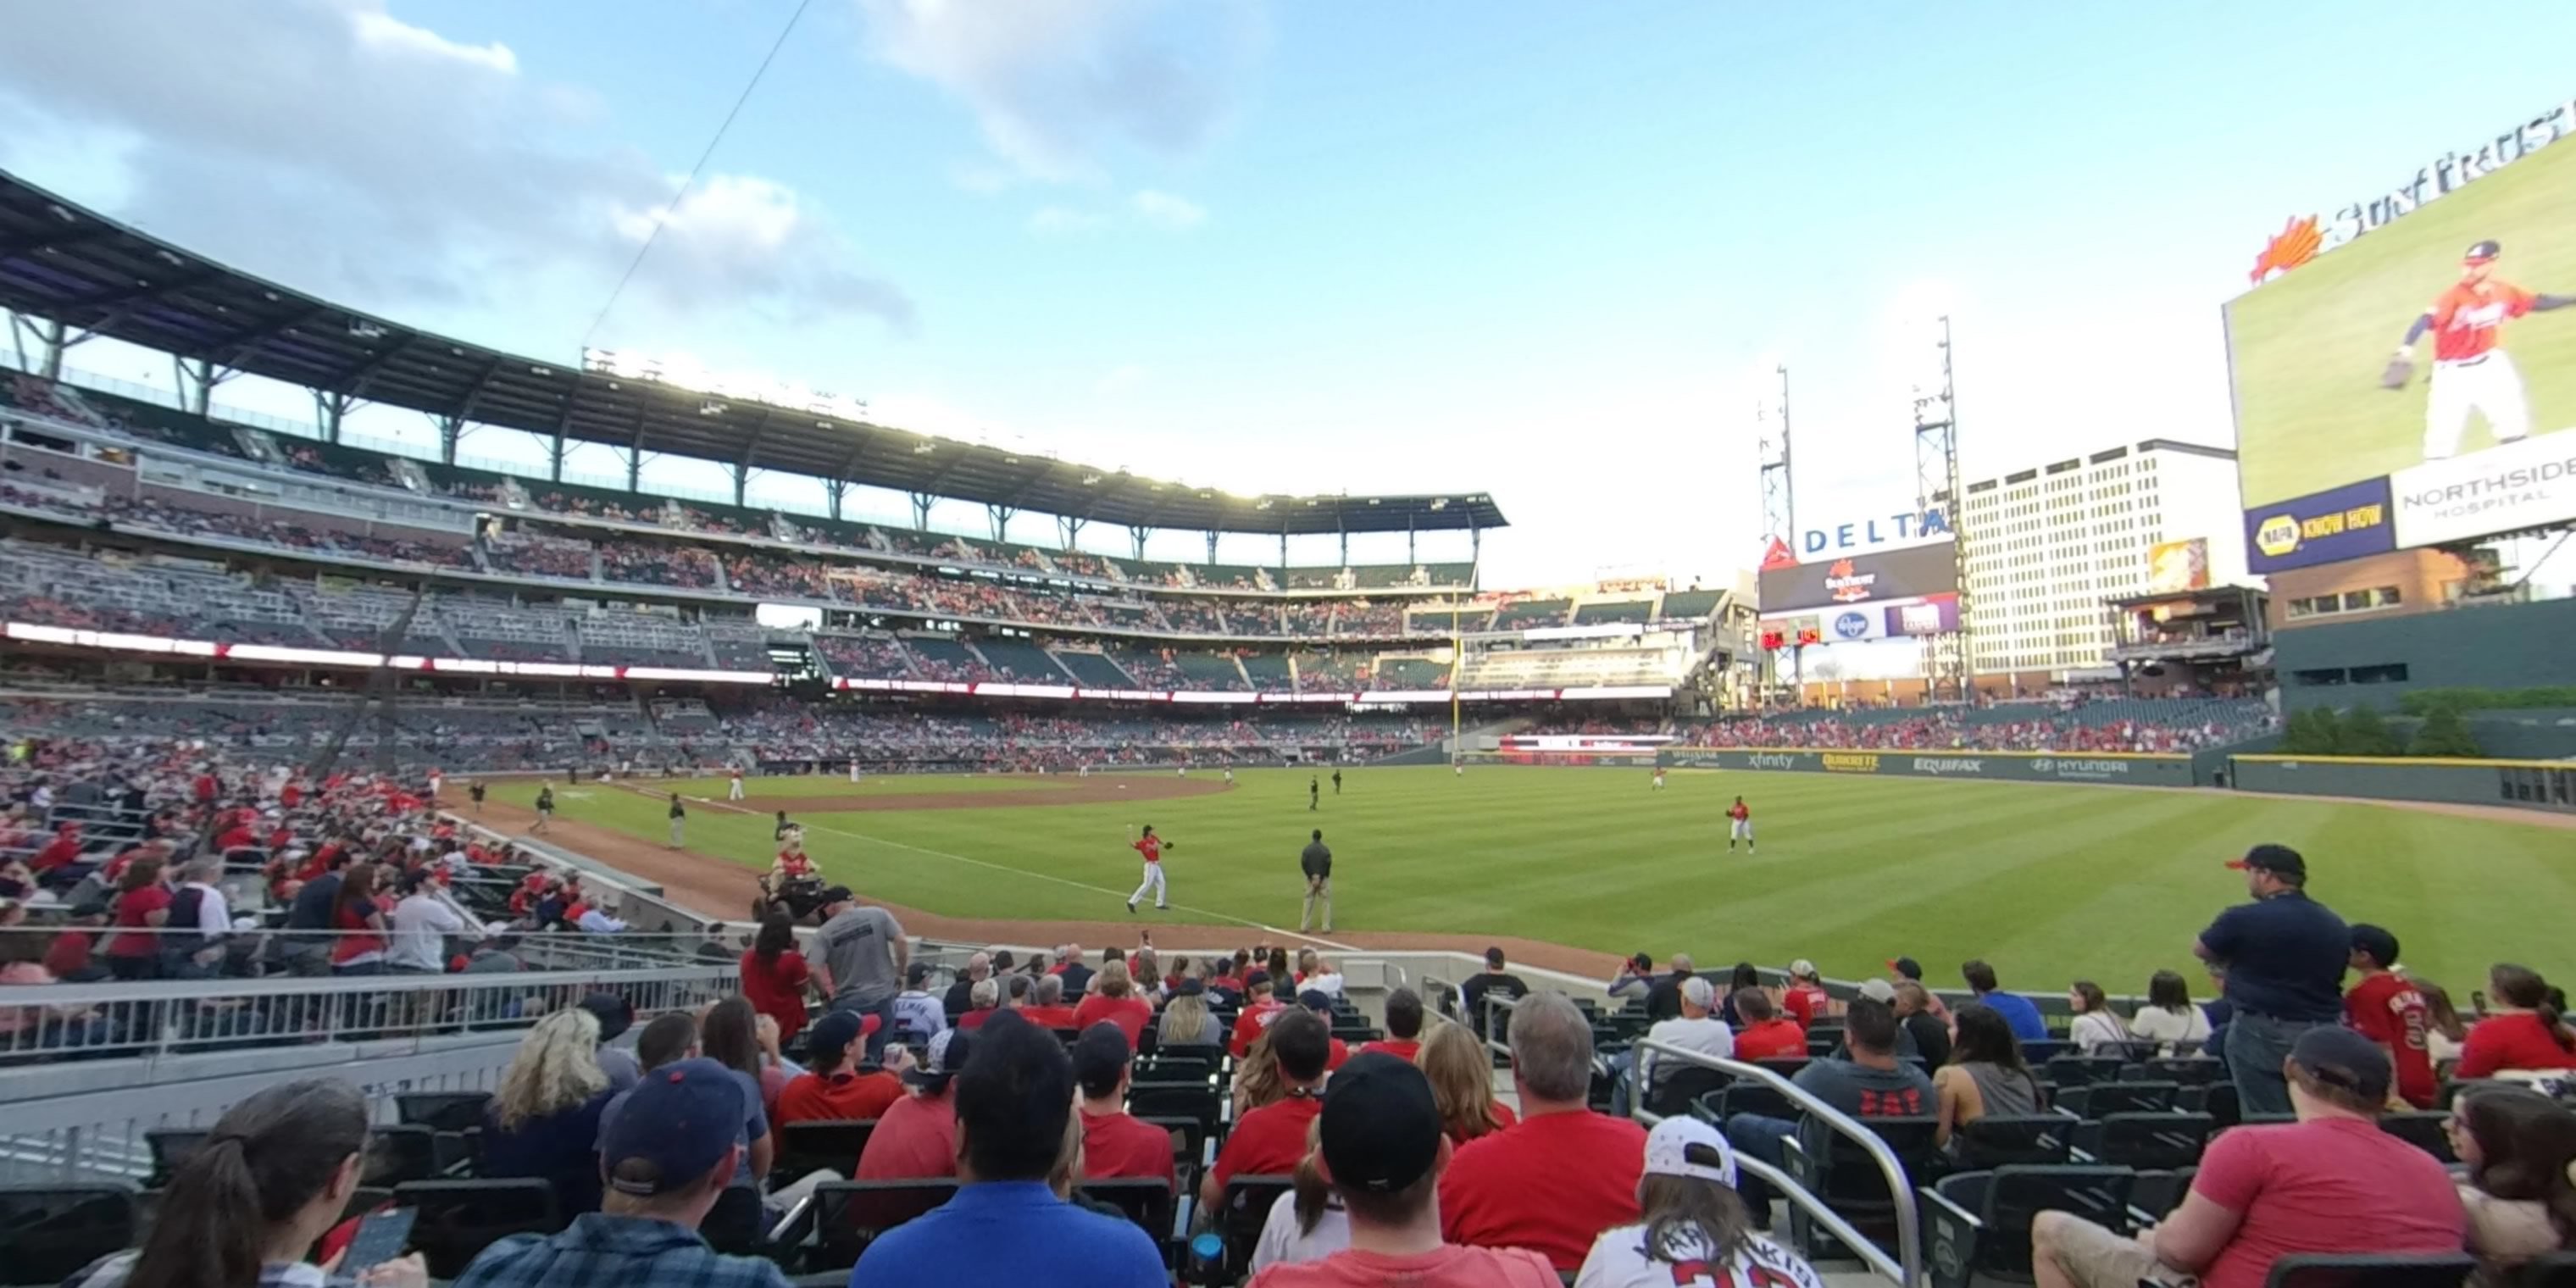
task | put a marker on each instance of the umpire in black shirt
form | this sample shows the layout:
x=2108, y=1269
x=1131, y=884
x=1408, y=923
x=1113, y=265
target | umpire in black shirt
x=1317, y=862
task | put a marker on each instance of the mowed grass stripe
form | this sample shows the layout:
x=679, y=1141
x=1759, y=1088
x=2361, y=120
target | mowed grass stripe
x=2049, y=882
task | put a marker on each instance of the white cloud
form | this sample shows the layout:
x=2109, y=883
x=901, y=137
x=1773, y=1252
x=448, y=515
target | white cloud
x=1163, y=210
x=371, y=160
x=1051, y=82
x=1060, y=221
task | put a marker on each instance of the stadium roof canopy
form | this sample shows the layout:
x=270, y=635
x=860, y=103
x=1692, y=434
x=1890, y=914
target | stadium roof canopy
x=64, y=263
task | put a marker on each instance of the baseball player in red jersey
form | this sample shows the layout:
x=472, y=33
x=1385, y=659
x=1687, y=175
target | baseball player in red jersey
x=733, y=791
x=1152, y=847
x=1741, y=829
x=2471, y=370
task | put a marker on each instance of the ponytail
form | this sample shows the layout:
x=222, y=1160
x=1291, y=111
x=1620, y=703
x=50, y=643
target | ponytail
x=267, y=1158
x=2523, y=987
x=1314, y=1194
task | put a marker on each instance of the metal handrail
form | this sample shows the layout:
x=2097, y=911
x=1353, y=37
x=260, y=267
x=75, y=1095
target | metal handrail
x=1907, y=1266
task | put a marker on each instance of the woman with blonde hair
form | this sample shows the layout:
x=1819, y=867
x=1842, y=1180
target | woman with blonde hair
x=544, y=1118
x=1257, y=1078
x=1113, y=1000
x=1187, y=1023
x=1462, y=1082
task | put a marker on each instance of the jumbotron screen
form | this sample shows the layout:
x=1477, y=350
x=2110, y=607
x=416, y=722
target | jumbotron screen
x=2416, y=383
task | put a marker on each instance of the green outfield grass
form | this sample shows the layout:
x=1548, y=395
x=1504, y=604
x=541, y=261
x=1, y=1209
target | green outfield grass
x=2306, y=350
x=2048, y=882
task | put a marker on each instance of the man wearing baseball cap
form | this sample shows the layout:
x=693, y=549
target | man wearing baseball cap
x=1114, y=1143
x=665, y=1163
x=833, y=1087
x=1384, y=1152
x=1696, y=1228
x=2330, y=1182
x=863, y=954
x=2284, y=955
x=1805, y=1000
x=916, y=1139
x=1260, y=1010
x=1014, y=1098
x=1696, y=1028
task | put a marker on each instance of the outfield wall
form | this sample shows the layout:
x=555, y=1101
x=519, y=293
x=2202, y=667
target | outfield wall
x=2129, y=768
x=2521, y=784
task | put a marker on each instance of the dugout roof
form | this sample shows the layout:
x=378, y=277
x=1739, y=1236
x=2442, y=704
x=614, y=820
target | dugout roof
x=62, y=262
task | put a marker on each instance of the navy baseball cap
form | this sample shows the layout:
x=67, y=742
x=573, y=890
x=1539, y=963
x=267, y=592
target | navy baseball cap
x=2482, y=250
x=1257, y=979
x=1380, y=1130
x=2376, y=942
x=838, y=1029
x=2340, y=1057
x=2279, y=860
x=1099, y=1056
x=675, y=1126
x=1315, y=999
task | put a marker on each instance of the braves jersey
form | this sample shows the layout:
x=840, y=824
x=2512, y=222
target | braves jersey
x=1739, y=813
x=794, y=863
x=1152, y=848
x=2466, y=317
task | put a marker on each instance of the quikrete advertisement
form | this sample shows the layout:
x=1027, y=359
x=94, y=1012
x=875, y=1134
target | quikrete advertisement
x=1998, y=766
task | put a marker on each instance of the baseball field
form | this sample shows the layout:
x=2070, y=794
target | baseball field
x=2306, y=350
x=2051, y=883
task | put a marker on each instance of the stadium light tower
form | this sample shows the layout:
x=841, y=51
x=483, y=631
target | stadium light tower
x=1779, y=497
x=1947, y=657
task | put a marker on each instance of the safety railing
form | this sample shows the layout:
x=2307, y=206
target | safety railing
x=163, y=1018
x=1906, y=1267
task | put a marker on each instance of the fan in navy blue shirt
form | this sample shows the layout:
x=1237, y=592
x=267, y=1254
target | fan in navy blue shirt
x=1005, y=1226
x=2283, y=972
x=2017, y=1010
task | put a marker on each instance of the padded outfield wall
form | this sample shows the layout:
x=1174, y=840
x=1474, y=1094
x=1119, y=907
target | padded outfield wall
x=2129, y=768
x=2521, y=784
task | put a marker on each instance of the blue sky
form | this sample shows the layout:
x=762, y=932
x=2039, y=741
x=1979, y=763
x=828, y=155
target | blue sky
x=1539, y=250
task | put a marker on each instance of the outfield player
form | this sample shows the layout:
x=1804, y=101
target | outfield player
x=2471, y=370
x=733, y=791
x=1659, y=778
x=1229, y=775
x=854, y=769
x=1314, y=793
x=1152, y=847
x=1741, y=828
x=1337, y=782
x=545, y=808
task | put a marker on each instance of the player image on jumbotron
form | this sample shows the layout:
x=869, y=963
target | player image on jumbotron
x=2472, y=372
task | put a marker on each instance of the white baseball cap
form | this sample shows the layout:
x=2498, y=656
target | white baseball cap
x=1878, y=990
x=1685, y=1146
x=1802, y=969
x=1698, y=992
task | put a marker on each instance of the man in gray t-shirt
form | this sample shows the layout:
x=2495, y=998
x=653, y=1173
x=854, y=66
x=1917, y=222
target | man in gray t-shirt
x=864, y=954
x=1872, y=1083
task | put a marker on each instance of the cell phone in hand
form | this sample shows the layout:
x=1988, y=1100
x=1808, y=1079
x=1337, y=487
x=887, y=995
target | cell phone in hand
x=380, y=1239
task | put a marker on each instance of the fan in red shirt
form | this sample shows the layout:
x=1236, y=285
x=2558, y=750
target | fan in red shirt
x=916, y=1137
x=1564, y=1174
x=1764, y=1034
x=1271, y=1140
x=65, y=847
x=833, y=1088
x=1260, y=1009
x=1115, y=1145
x=1319, y=1003
x=1113, y=1000
x=1805, y=1000
x=2524, y=1032
x=774, y=975
x=1403, y=1038
x=1046, y=1008
x=2387, y=1008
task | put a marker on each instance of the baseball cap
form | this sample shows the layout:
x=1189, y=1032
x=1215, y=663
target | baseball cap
x=835, y=894
x=1191, y=988
x=2342, y=1058
x=1315, y=999
x=1698, y=992
x=2279, y=860
x=838, y=1029
x=1802, y=969
x=615, y=1014
x=680, y=1119
x=1907, y=967
x=1685, y=1146
x=1257, y=979
x=2482, y=250
x=917, y=974
x=1380, y=1128
x=2377, y=941
x=948, y=1049
x=1099, y=1056
x=1878, y=990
